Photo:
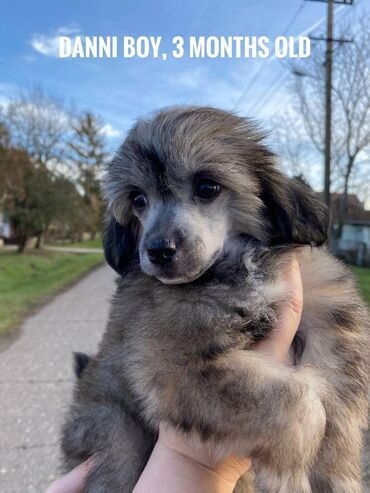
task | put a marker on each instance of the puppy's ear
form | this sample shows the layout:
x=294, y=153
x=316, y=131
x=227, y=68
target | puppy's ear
x=120, y=244
x=81, y=360
x=295, y=214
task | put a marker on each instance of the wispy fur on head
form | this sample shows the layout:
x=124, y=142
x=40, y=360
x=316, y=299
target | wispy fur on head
x=163, y=156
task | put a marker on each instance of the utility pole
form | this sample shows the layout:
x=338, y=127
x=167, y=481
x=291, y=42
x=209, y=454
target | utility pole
x=329, y=70
x=328, y=88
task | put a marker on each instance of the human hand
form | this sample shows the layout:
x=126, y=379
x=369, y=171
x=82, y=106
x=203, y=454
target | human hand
x=74, y=481
x=176, y=466
x=278, y=344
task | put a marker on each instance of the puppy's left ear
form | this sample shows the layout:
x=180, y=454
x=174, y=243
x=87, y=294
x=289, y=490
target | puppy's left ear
x=296, y=215
x=120, y=244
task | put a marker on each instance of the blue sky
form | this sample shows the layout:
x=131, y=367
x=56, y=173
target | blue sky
x=120, y=89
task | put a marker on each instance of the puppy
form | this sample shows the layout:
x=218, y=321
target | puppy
x=202, y=225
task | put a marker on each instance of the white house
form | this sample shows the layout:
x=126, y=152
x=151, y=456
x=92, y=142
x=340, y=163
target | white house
x=4, y=226
x=354, y=244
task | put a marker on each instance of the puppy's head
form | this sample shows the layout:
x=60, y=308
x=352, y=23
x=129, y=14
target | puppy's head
x=187, y=183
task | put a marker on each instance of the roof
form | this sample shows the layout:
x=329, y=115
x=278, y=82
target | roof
x=356, y=213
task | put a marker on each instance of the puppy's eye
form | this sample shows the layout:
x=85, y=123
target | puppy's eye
x=207, y=189
x=139, y=201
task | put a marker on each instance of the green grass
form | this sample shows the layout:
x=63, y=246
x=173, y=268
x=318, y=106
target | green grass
x=363, y=277
x=30, y=279
x=86, y=244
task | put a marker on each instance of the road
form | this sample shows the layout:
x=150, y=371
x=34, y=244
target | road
x=36, y=379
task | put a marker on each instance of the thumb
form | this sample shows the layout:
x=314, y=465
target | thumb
x=278, y=343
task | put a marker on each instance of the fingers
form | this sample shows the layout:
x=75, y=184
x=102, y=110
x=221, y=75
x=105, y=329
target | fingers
x=232, y=468
x=229, y=468
x=74, y=481
x=177, y=446
x=278, y=343
x=290, y=316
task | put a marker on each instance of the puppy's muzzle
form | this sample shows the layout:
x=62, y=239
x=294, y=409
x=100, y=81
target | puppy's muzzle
x=161, y=251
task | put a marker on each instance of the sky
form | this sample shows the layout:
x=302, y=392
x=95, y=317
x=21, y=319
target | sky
x=121, y=90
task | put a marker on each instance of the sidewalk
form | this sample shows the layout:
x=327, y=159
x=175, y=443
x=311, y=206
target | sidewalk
x=36, y=378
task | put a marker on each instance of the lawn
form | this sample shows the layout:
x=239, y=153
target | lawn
x=363, y=277
x=97, y=243
x=30, y=279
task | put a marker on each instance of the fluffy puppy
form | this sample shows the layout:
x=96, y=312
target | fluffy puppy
x=201, y=226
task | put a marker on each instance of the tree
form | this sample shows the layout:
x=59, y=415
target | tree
x=33, y=196
x=33, y=162
x=31, y=213
x=351, y=105
x=16, y=173
x=38, y=124
x=4, y=136
x=88, y=152
x=14, y=163
x=71, y=214
x=45, y=200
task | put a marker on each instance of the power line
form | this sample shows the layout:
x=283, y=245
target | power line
x=341, y=10
x=341, y=2
x=262, y=103
x=275, y=83
x=249, y=85
x=281, y=101
x=294, y=18
x=260, y=70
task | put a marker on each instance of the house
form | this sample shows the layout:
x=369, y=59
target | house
x=356, y=226
x=4, y=226
x=354, y=244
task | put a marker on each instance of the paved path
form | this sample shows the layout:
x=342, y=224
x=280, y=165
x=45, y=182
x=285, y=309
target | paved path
x=36, y=378
x=72, y=249
x=66, y=249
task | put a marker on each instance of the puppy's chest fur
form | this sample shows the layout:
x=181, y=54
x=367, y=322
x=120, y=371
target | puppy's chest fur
x=155, y=330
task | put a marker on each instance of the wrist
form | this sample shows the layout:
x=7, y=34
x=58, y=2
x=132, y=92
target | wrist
x=172, y=470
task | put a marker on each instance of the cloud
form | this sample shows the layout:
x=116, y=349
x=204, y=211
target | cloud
x=111, y=132
x=48, y=44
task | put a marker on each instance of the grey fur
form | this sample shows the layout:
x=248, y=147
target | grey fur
x=183, y=353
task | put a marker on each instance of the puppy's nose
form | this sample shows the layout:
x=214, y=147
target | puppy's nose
x=161, y=251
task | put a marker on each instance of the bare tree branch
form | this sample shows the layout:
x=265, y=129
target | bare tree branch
x=38, y=124
x=350, y=103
